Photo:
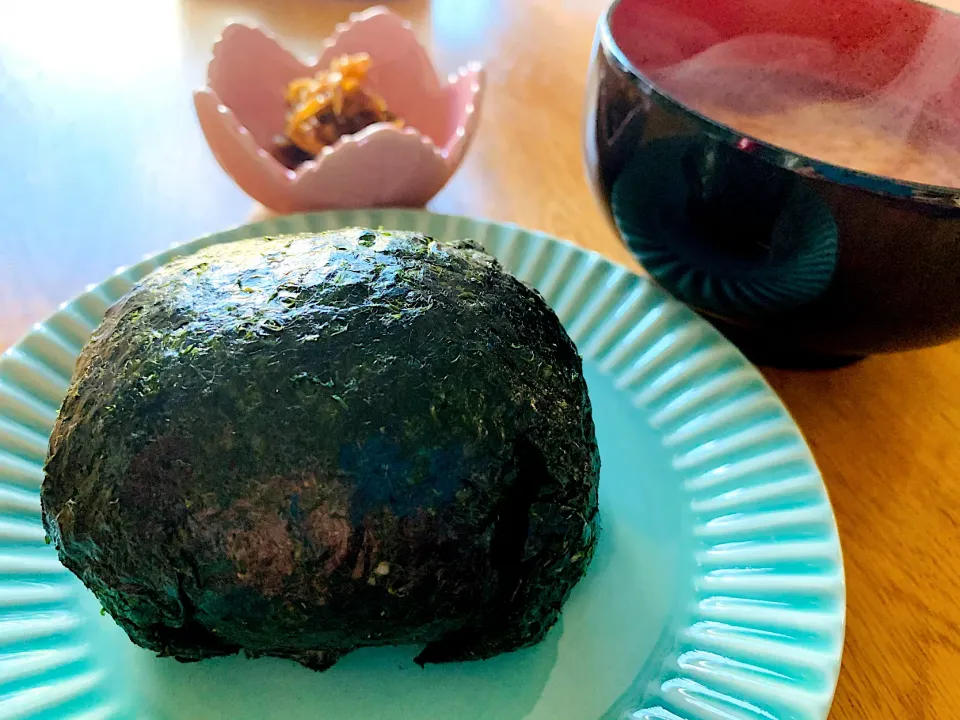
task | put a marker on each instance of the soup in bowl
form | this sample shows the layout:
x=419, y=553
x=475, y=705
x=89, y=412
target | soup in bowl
x=790, y=170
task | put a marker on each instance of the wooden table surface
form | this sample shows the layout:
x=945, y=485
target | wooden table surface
x=101, y=161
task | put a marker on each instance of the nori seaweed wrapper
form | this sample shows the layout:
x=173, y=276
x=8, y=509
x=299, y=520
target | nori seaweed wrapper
x=300, y=445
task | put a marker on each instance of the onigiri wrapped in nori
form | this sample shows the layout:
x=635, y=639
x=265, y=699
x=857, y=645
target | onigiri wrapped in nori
x=300, y=445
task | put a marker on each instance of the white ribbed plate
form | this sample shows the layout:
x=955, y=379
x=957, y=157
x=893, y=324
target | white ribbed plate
x=717, y=592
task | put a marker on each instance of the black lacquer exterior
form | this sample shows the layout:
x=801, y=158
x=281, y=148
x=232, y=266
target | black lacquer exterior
x=791, y=257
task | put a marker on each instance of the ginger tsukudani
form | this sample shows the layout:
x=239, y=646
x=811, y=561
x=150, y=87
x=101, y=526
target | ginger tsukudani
x=328, y=106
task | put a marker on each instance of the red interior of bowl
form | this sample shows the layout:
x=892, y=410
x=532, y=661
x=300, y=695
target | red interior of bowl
x=869, y=84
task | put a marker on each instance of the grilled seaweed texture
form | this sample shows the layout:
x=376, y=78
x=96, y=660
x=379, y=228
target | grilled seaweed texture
x=296, y=446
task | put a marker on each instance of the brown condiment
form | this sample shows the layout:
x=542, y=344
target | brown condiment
x=328, y=106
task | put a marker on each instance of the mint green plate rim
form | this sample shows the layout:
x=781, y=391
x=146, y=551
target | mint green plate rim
x=760, y=525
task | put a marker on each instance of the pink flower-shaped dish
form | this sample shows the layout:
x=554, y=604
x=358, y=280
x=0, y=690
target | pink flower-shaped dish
x=242, y=109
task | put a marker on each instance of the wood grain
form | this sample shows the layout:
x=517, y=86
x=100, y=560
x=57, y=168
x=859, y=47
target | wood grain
x=101, y=161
